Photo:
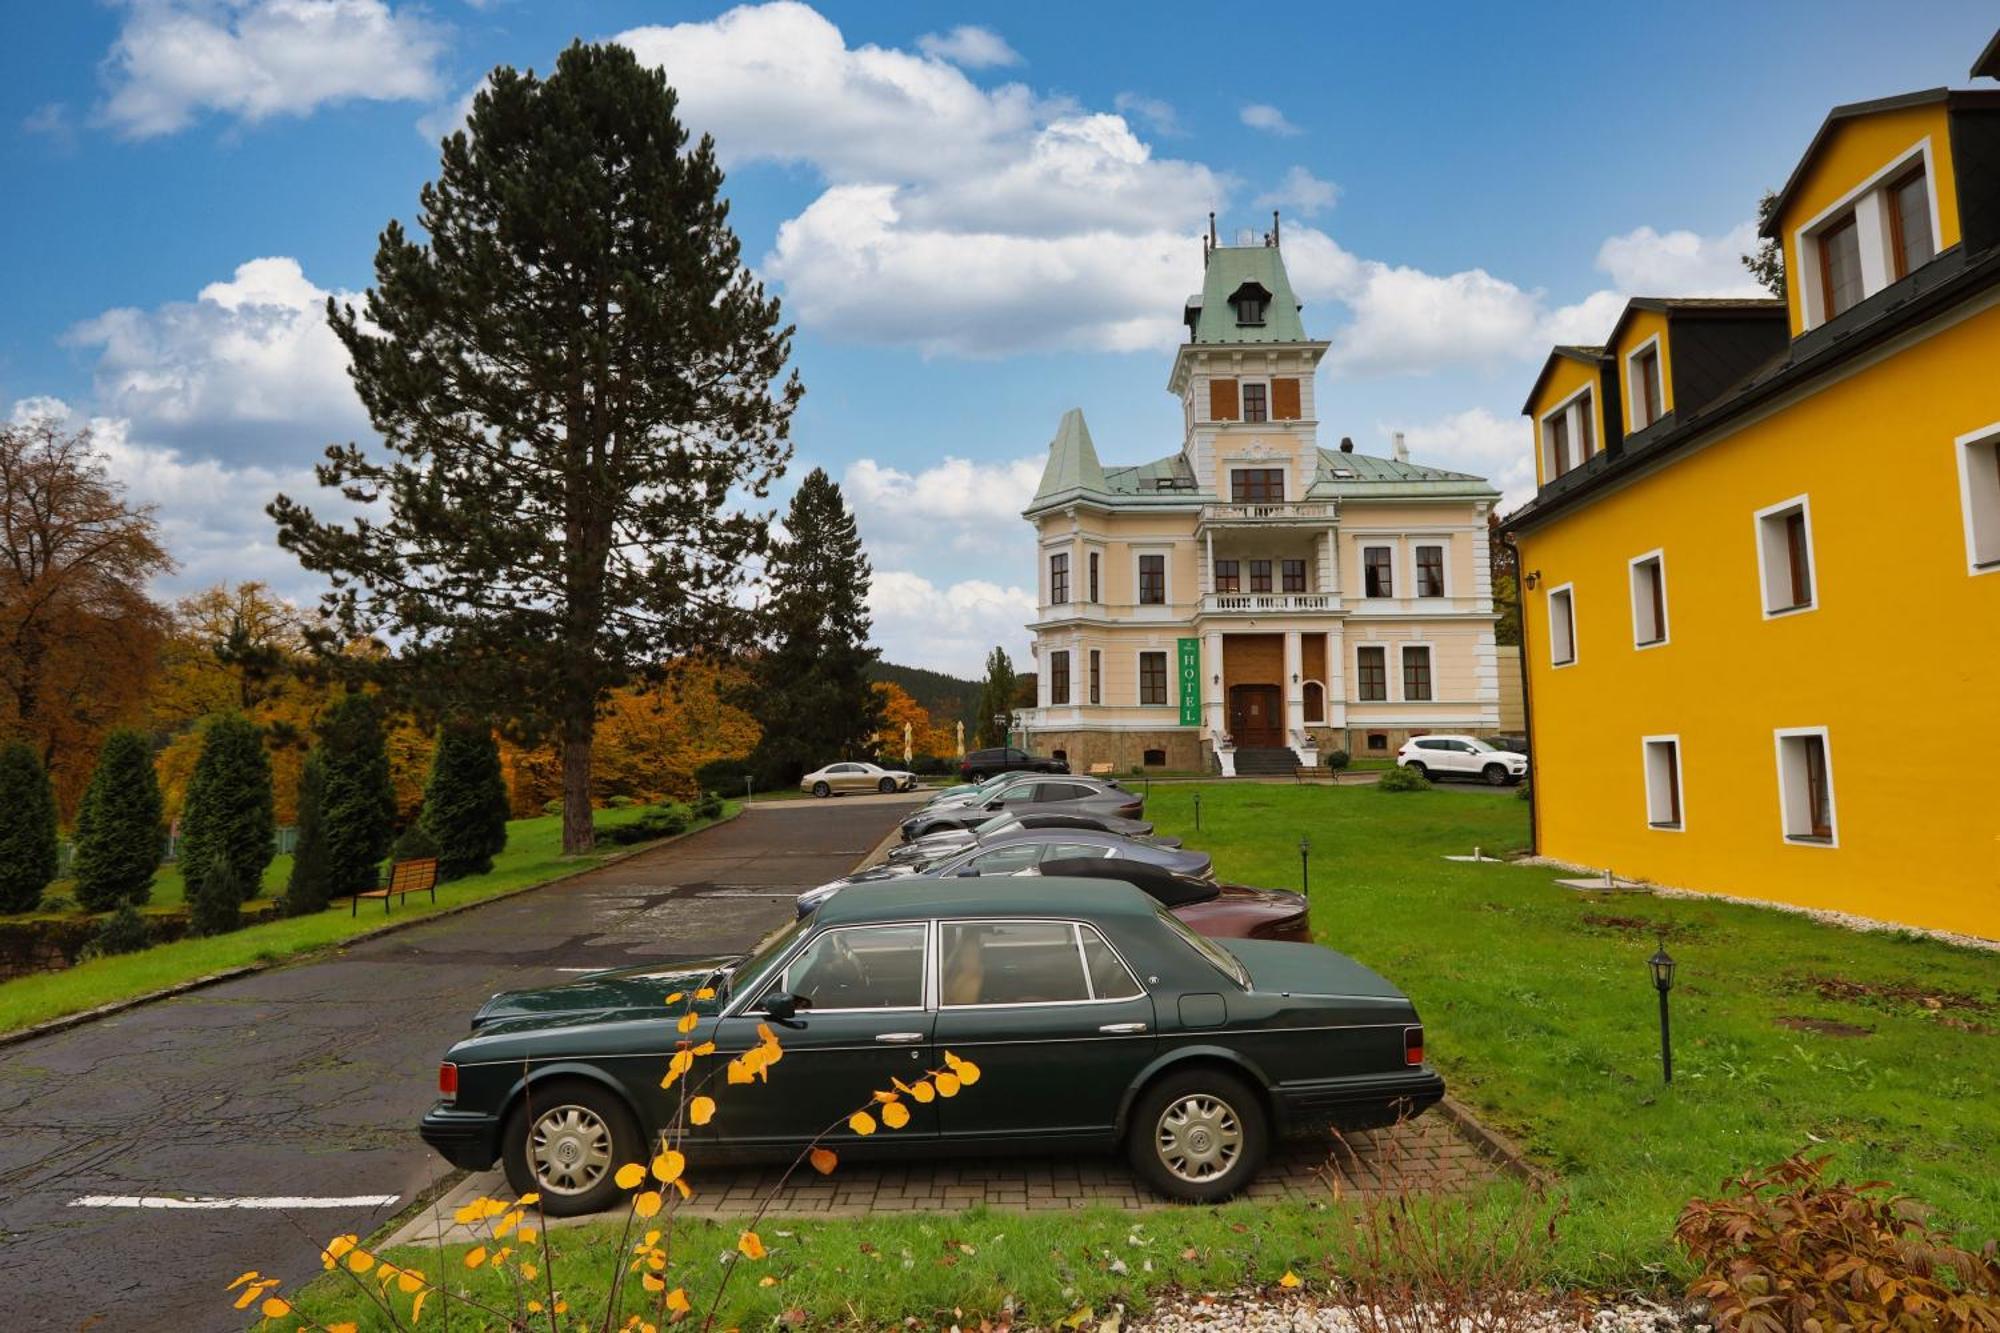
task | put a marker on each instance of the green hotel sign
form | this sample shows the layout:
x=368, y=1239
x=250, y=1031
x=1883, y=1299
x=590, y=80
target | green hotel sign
x=1190, y=678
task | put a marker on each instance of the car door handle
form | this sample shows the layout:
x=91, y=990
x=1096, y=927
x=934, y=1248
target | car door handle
x=1123, y=1028
x=899, y=1038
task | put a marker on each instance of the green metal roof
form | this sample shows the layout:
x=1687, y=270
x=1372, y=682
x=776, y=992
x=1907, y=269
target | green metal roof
x=1370, y=477
x=1229, y=268
x=1073, y=464
x=1047, y=895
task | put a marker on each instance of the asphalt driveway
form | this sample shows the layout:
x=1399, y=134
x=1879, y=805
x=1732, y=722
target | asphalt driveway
x=148, y=1158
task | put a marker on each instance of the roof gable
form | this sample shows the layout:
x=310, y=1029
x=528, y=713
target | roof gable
x=1594, y=357
x=1230, y=269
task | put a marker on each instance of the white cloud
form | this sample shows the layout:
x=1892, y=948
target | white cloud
x=956, y=507
x=949, y=627
x=1478, y=442
x=248, y=364
x=1301, y=191
x=1644, y=262
x=174, y=60
x=970, y=46
x=1263, y=116
x=1159, y=115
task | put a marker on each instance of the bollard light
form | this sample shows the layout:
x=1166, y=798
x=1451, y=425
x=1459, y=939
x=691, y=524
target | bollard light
x=1662, y=967
x=1305, y=857
x=1197, y=812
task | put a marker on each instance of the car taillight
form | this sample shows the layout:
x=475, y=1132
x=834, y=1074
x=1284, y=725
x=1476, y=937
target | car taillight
x=1130, y=811
x=1413, y=1046
x=448, y=1080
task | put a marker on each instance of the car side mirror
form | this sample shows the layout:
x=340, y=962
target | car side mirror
x=784, y=1009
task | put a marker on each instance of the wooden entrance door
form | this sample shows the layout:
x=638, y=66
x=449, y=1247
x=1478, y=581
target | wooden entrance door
x=1254, y=717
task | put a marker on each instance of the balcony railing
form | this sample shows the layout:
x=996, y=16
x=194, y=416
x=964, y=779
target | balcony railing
x=1271, y=511
x=1251, y=603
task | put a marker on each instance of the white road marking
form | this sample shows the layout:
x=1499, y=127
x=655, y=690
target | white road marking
x=280, y=1202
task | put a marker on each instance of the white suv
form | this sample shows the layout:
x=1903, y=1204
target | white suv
x=1462, y=757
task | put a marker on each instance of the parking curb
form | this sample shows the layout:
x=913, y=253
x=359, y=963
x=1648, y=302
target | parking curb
x=1494, y=1146
x=51, y=1026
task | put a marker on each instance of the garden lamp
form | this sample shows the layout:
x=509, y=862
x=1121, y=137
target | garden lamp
x=1662, y=967
x=1305, y=854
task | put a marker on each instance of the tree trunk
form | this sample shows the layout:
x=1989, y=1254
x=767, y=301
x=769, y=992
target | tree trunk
x=579, y=832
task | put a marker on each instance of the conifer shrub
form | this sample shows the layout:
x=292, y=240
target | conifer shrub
x=465, y=800
x=227, y=815
x=119, y=835
x=709, y=806
x=215, y=905
x=417, y=844
x=357, y=802
x=660, y=821
x=1338, y=759
x=310, y=888
x=1400, y=778
x=27, y=829
x=124, y=931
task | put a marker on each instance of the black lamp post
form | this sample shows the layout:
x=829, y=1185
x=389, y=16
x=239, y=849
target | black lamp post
x=1197, y=812
x=1662, y=966
x=1305, y=856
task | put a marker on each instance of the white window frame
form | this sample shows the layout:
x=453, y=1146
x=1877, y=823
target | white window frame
x=1395, y=575
x=1166, y=554
x=1069, y=671
x=1243, y=418
x=1657, y=556
x=1139, y=678
x=1095, y=688
x=1789, y=790
x=1633, y=398
x=1390, y=688
x=1760, y=521
x=1573, y=407
x=1402, y=695
x=1647, y=757
x=1979, y=497
x=1443, y=543
x=1871, y=203
x=1568, y=591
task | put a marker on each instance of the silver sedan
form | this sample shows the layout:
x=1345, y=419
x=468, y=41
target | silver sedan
x=856, y=777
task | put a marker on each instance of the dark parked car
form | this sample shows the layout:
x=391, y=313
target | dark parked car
x=1019, y=852
x=1028, y=795
x=1219, y=911
x=1098, y=1020
x=933, y=846
x=1007, y=759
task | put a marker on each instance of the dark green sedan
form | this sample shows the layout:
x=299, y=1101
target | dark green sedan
x=1097, y=1019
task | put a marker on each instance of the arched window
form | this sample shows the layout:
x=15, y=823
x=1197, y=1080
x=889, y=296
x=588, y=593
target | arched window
x=1315, y=701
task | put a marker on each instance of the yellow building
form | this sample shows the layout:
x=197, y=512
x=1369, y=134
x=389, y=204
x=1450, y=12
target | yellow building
x=1761, y=573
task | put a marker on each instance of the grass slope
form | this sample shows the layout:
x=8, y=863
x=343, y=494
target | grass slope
x=533, y=856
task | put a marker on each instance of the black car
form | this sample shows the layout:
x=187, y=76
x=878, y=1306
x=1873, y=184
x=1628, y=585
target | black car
x=1006, y=759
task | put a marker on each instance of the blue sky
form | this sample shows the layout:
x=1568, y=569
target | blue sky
x=979, y=215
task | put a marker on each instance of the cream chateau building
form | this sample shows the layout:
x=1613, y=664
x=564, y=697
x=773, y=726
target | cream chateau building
x=1253, y=600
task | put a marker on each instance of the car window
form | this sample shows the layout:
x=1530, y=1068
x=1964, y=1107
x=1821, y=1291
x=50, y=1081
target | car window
x=844, y=768
x=1010, y=962
x=1065, y=791
x=1431, y=745
x=1479, y=747
x=1219, y=958
x=860, y=967
x=1110, y=979
x=1006, y=860
x=1015, y=756
x=768, y=951
x=1020, y=794
x=1073, y=851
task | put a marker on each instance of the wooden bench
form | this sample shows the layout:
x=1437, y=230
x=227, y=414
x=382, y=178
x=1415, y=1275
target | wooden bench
x=1098, y=769
x=405, y=878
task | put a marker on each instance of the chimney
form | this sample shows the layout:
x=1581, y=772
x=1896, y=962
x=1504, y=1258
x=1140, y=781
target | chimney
x=1347, y=444
x=1274, y=228
x=1402, y=449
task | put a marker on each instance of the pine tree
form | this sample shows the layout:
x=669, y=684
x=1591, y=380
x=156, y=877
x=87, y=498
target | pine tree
x=227, y=817
x=119, y=836
x=215, y=902
x=27, y=829
x=357, y=800
x=813, y=694
x=578, y=379
x=310, y=888
x=996, y=698
x=465, y=801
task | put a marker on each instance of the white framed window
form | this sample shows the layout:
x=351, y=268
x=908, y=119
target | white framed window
x=1562, y=625
x=1096, y=676
x=1664, y=807
x=1153, y=679
x=1805, y=787
x=1152, y=574
x=1371, y=673
x=1569, y=433
x=1979, y=491
x=1430, y=569
x=1378, y=571
x=1785, y=569
x=1644, y=386
x=1878, y=232
x=1649, y=599
x=1418, y=686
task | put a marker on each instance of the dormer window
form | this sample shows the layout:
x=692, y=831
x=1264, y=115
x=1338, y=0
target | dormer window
x=1880, y=232
x=1840, y=264
x=1250, y=301
x=1910, y=237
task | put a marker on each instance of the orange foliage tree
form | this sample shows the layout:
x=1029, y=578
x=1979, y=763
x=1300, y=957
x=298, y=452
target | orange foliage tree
x=926, y=735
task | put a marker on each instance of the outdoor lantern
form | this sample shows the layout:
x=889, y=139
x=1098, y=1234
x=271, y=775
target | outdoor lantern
x=1662, y=966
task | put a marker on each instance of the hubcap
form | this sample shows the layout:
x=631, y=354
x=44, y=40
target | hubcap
x=570, y=1149
x=1200, y=1138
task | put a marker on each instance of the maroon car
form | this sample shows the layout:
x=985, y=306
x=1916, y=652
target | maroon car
x=1220, y=911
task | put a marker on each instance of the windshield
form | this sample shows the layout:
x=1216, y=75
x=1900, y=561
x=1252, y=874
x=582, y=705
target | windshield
x=1481, y=747
x=1219, y=958
x=767, y=951
x=986, y=828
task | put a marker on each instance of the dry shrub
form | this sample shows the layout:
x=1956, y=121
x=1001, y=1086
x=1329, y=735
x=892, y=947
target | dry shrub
x=1415, y=1262
x=1782, y=1251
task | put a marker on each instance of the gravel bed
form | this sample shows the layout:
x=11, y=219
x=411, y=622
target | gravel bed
x=1266, y=1312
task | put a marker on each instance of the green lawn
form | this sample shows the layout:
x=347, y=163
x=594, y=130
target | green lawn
x=533, y=856
x=1539, y=1009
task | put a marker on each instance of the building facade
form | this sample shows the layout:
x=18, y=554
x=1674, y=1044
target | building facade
x=1761, y=575
x=1253, y=595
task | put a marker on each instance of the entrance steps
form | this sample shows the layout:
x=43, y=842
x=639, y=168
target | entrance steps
x=1266, y=762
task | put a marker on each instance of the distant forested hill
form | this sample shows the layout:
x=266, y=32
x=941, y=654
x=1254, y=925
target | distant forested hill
x=946, y=698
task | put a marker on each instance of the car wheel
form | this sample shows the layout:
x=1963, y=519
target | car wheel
x=886, y=785
x=1419, y=770
x=566, y=1141
x=1198, y=1136
x=821, y=789
x=1496, y=775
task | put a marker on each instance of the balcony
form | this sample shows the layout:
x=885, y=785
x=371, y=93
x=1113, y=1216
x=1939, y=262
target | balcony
x=1267, y=603
x=1254, y=512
